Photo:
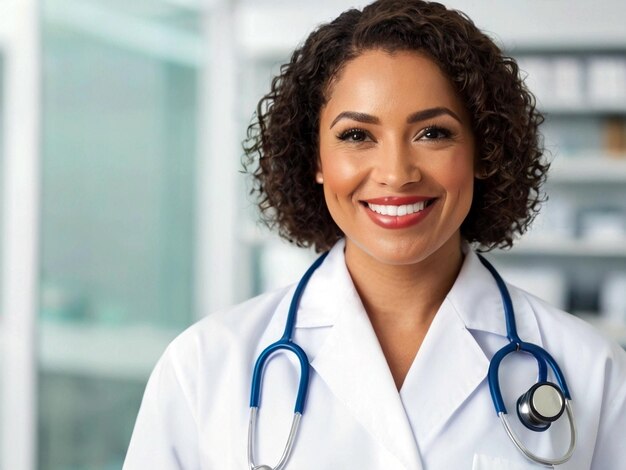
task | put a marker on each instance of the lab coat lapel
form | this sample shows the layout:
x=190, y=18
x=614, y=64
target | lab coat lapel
x=448, y=367
x=451, y=364
x=477, y=300
x=353, y=367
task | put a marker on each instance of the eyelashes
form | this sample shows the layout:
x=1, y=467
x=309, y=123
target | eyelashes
x=430, y=133
x=354, y=135
x=436, y=133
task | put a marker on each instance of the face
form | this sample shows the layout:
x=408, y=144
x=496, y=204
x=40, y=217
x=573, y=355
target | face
x=396, y=158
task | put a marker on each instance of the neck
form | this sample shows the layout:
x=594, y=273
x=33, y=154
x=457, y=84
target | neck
x=402, y=300
x=408, y=294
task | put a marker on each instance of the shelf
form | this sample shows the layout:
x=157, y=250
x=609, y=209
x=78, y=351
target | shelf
x=580, y=248
x=128, y=352
x=584, y=109
x=588, y=169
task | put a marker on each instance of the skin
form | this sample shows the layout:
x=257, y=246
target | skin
x=401, y=274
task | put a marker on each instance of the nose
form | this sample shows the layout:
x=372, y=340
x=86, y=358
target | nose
x=396, y=166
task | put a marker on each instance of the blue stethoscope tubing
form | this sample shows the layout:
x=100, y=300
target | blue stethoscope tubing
x=515, y=344
x=284, y=343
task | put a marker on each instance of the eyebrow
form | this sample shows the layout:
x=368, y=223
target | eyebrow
x=422, y=115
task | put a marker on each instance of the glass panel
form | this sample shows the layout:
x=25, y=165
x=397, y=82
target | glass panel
x=1, y=212
x=117, y=221
x=2, y=111
x=86, y=422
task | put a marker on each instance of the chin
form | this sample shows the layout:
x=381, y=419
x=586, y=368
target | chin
x=397, y=254
x=407, y=252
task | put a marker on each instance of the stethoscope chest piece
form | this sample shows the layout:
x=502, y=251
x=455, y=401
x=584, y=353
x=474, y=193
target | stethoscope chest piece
x=540, y=406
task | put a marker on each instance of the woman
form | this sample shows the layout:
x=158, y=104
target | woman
x=396, y=137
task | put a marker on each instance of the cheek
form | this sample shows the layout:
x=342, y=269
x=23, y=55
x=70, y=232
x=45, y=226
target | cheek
x=341, y=174
x=458, y=178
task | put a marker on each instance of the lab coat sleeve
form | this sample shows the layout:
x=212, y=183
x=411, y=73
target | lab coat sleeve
x=165, y=435
x=610, y=451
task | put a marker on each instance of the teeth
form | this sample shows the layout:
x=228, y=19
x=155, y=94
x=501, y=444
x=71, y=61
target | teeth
x=397, y=210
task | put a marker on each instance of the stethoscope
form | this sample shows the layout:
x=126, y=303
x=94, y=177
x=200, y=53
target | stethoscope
x=537, y=409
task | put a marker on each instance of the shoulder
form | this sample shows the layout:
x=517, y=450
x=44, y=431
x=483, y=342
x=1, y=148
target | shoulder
x=581, y=347
x=553, y=321
x=212, y=341
x=242, y=322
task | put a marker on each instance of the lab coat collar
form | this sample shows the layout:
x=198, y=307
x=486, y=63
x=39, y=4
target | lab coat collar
x=315, y=309
x=474, y=296
x=331, y=277
x=477, y=300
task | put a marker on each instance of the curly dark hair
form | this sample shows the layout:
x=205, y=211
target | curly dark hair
x=282, y=141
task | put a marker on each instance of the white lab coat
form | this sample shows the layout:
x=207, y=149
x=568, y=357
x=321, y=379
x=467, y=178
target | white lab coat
x=195, y=411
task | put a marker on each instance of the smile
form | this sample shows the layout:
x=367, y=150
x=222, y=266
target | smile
x=398, y=212
x=401, y=210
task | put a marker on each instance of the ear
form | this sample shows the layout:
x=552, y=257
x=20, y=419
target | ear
x=319, y=175
x=479, y=167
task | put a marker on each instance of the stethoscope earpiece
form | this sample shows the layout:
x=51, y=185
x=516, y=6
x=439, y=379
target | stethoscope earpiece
x=540, y=406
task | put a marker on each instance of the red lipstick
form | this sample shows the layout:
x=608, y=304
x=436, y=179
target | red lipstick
x=378, y=210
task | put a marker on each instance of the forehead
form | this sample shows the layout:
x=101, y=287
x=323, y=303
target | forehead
x=392, y=81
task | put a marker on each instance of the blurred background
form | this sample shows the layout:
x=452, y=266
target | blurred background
x=124, y=216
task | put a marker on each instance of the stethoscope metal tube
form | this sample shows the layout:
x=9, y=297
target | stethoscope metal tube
x=536, y=458
x=295, y=424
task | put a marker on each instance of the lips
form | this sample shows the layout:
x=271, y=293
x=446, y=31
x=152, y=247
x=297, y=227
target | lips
x=398, y=212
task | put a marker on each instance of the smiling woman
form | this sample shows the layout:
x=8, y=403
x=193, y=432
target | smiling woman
x=414, y=152
x=499, y=111
x=395, y=139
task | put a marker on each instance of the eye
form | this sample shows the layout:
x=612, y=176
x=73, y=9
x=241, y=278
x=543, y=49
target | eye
x=353, y=135
x=435, y=133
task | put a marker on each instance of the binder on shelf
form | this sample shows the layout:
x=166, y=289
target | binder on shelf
x=614, y=130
